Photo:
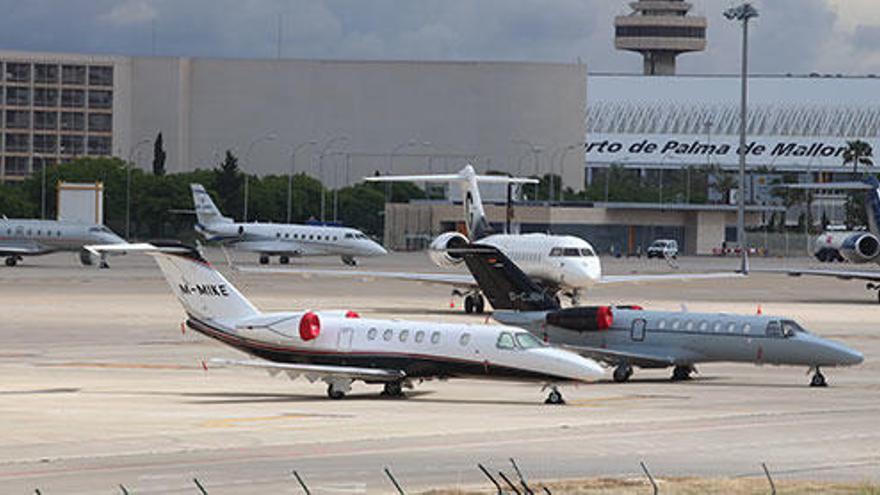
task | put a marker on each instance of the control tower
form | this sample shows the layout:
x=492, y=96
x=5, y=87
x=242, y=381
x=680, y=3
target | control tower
x=660, y=30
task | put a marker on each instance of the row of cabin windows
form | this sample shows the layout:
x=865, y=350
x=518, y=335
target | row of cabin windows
x=311, y=237
x=773, y=328
x=354, y=236
x=557, y=252
x=49, y=233
x=418, y=336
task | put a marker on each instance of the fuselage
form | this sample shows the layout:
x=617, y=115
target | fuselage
x=47, y=236
x=419, y=349
x=563, y=261
x=293, y=239
x=687, y=338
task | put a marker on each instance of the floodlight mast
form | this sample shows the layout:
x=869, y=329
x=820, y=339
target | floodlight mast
x=743, y=13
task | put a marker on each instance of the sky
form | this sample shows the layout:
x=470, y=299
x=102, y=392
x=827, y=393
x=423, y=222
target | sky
x=790, y=36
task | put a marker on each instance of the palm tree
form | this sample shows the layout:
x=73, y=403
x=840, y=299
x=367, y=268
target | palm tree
x=857, y=152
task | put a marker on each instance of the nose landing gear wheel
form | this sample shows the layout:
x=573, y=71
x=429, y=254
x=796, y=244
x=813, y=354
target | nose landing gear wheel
x=622, y=373
x=284, y=260
x=348, y=260
x=469, y=304
x=818, y=379
x=264, y=260
x=11, y=261
x=554, y=398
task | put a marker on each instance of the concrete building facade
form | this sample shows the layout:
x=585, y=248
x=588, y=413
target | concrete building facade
x=365, y=116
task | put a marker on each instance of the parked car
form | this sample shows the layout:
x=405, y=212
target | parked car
x=663, y=248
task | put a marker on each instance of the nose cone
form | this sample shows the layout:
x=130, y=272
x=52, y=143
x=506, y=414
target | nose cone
x=375, y=249
x=573, y=366
x=585, y=273
x=837, y=354
x=850, y=357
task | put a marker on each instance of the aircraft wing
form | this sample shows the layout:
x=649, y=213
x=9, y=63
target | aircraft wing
x=452, y=279
x=643, y=359
x=315, y=371
x=621, y=279
x=870, y=276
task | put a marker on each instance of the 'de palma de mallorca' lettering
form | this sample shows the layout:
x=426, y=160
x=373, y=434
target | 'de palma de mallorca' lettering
x=698, y=148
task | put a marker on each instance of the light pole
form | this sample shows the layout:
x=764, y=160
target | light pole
x=562, y=168
x=292, y=171
x=535, y=151
x=267, y=137
x=744, y=13
x=324, y=149
x=131, y=154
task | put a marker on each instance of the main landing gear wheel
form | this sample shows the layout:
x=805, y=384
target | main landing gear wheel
x=818, y=379
x=474, y=303
x=393, y=389
x=681, y=373
x=335, y=393
x=11, y=261
x=350, y=261
x=555, y=398
x=622, y=373
x=264, y=260
x=283, y=260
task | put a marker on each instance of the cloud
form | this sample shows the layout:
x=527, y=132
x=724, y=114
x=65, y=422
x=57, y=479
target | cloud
x=128, y=13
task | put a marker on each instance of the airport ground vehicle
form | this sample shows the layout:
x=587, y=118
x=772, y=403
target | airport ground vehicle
x=663, y=248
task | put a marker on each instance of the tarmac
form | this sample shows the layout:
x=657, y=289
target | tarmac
x=99, y=387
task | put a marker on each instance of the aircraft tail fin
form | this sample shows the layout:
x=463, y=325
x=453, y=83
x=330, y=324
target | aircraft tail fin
x=504, y=284
x=468, y=180
x=207, y=212
x=872, y=204
x=202, y=291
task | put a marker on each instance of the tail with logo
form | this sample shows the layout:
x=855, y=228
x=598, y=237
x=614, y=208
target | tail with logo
x=202, y=291
x=207, y=212
x=468, y=180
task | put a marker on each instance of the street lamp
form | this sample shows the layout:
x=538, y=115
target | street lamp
x=535, y=151
x=743, y=13
x=131, y=154
x=268, y=137
x=324, y=149
x=562, y=168
x=292, y=171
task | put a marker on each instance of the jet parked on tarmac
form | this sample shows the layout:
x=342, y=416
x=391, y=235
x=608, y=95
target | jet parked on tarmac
x=559, y=263
x=339, y=347
x=628, y=336
x=281, y=239
x=26, y=237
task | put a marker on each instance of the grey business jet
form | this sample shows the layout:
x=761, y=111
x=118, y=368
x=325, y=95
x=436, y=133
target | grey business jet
x=27, y=237
x=629, y=336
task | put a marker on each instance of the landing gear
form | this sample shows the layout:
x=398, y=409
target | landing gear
x=818, y=379
x=11, y=260
x=682, y=373
x=103, y=264
x=393, y=389
x=283, y=260
x=264, y=259
x=350, y=261
x=335, y=392
x=554, y=397
x=622, y=373
x=474, y=303
x=575, y=297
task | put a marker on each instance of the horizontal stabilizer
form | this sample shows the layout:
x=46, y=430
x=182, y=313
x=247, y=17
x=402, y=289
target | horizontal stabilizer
x=351, y=372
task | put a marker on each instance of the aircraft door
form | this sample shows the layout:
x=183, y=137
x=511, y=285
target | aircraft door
x=345, y=338
x=638, y=330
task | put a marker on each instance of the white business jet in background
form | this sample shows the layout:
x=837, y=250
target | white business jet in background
x=280, y=239
x=340, y=347
x=561, y=264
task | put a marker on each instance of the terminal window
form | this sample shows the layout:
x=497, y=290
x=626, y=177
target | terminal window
x=73, y=121
x=100, y=122
x=100, y=99
x=17, y=142
x=18, y=96
x=46, y=74
x=46, y=121
x=18, y=119
x=45, y=143
x=73, y=98
x=45, y=97
x=16, y=72
x=99, y=145
x=72, y=145
x=101, y=75
x=17, y=165
x=73, y=74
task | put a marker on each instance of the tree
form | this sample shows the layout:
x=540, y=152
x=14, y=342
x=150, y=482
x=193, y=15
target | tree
x=858, y=153
x=228, y=182
x=158, y=156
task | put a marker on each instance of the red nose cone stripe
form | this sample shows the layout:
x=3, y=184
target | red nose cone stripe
x=351, y=314
x=309, y=326
x=604, y=317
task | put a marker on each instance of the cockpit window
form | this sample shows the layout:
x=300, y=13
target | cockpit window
x=99, y=228
x=349, y=236
x=571, y=252
x=528, y=341
x=556, y=252
x=773, y=329
x=505, y=341
x=587, y=252
x=790, y=328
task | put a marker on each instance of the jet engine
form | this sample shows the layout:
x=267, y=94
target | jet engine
x=860, y=248
x=582, y=319
x=440, y=246
x=86, y=258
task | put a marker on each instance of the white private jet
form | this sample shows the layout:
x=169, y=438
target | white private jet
x=280, y=239
x=562, y=264
x=339, y=347
x=21, y=237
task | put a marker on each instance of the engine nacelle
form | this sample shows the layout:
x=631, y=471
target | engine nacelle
x=440, y=246
x=582, y=319
x=860, y=248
